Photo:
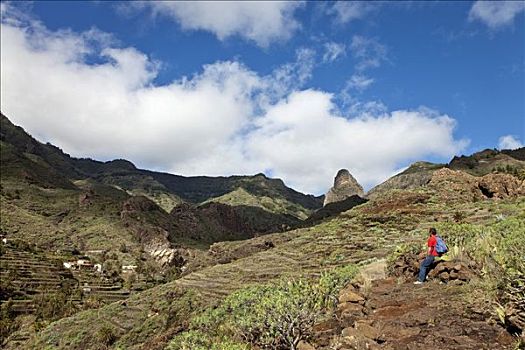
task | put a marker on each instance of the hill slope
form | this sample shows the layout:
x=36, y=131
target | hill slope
x=166, y=190
x=371, y=230
x=478, y=164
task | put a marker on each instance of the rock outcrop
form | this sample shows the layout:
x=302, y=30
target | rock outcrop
x=135, y=213
x=417, y=175
x=456, y=185
x=345, y=185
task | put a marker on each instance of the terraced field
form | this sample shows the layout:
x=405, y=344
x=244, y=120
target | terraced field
x=26, y=275
x=148, y=320
x=357, y=236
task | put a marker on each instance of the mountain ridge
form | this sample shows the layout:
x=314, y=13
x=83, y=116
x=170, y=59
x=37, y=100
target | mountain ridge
x=175, y=189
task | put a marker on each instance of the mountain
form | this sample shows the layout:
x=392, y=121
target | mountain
x=489, y=160
x=335, y=208
x=60, y=202
x=345, y=185
x=167, y=190
x=478, y=164
x=265, y=281
x=219, y=265
x=417, y=175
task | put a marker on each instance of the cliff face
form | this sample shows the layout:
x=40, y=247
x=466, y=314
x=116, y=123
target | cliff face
x=417, y=175
x=345, y=186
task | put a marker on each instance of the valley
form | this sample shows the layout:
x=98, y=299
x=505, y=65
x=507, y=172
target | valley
x=174, y=251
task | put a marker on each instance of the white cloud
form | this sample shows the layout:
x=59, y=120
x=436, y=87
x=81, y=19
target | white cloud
x=333, y=51
x=313, y=141
x=509, y=142
x=262, y=22
x=359, y=82
x=291, y=76
x=369, y=52
x=224, y=120
x=496, y=14
x=347, y=11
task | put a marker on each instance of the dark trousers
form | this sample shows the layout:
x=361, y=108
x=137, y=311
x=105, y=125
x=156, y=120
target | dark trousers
x=425, y=264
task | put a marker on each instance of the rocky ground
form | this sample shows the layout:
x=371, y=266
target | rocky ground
x=393, y=313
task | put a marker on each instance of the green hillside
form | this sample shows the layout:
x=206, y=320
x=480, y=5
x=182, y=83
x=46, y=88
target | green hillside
x=167, y=190
x=177, y=312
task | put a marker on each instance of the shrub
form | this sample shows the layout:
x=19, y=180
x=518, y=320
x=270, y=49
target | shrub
x=278, y=314
x=499, y=248
x=458, y=216
x=51, y=305
x=105, y=335
x=197, y=340
x=8, y=321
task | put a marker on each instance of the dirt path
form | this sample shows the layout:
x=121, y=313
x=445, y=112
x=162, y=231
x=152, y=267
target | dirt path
x=407, y=316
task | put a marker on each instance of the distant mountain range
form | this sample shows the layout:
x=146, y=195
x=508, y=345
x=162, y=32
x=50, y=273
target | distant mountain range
x=61, y=202
x=49, y=165
x=195, y=240
x=188, y=211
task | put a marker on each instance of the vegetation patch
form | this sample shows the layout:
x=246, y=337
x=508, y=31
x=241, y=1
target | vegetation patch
x=274, y=315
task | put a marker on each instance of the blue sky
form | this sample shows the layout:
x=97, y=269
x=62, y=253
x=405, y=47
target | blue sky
x=296, y=90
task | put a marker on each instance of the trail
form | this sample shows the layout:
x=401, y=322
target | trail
x=407, y=316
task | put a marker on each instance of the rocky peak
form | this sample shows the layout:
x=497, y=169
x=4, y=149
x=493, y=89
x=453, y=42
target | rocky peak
x=345, y=186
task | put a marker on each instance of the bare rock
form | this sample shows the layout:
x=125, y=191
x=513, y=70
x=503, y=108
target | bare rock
x=305, y=346
x=367, y=330
x=345, y=186
x=355, y=340
x=349, y=296
x=500, y=186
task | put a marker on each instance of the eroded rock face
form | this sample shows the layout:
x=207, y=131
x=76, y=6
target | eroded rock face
x=155, y=239
x=458, y=185
x=501, y=186
x=162, y=252
x=345, y=185
x=417, y=175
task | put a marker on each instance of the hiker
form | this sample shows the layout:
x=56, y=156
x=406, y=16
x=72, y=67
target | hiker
x=431, y=254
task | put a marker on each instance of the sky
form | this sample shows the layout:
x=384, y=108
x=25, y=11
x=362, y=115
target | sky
x=296, y=90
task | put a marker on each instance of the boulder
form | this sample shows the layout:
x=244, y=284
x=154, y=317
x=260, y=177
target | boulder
x=367, y=330
x=349, y=296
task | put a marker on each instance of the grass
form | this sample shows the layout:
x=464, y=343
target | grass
x=278, y=205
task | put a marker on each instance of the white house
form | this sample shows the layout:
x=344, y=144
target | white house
x=129, y=268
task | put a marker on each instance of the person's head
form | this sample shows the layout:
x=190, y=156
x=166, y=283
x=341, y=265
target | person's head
x=432, y=231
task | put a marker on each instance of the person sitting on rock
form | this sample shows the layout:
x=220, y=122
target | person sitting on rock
x=429, y=260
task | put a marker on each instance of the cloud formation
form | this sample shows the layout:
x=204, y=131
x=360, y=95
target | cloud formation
x=369, y=53
x=359, y=82
x=261, y=22
x=333, y=51
x=496, y=14
x=347, y=11
x=509, y=142
x=225, y=119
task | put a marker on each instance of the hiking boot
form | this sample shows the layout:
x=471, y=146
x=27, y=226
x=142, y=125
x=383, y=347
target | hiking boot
x=418, y=282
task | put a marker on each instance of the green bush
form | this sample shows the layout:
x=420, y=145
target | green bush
x=197, y=340
x=499, y=249
x=51, y=306
x=105, y=336
x=275, y=315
